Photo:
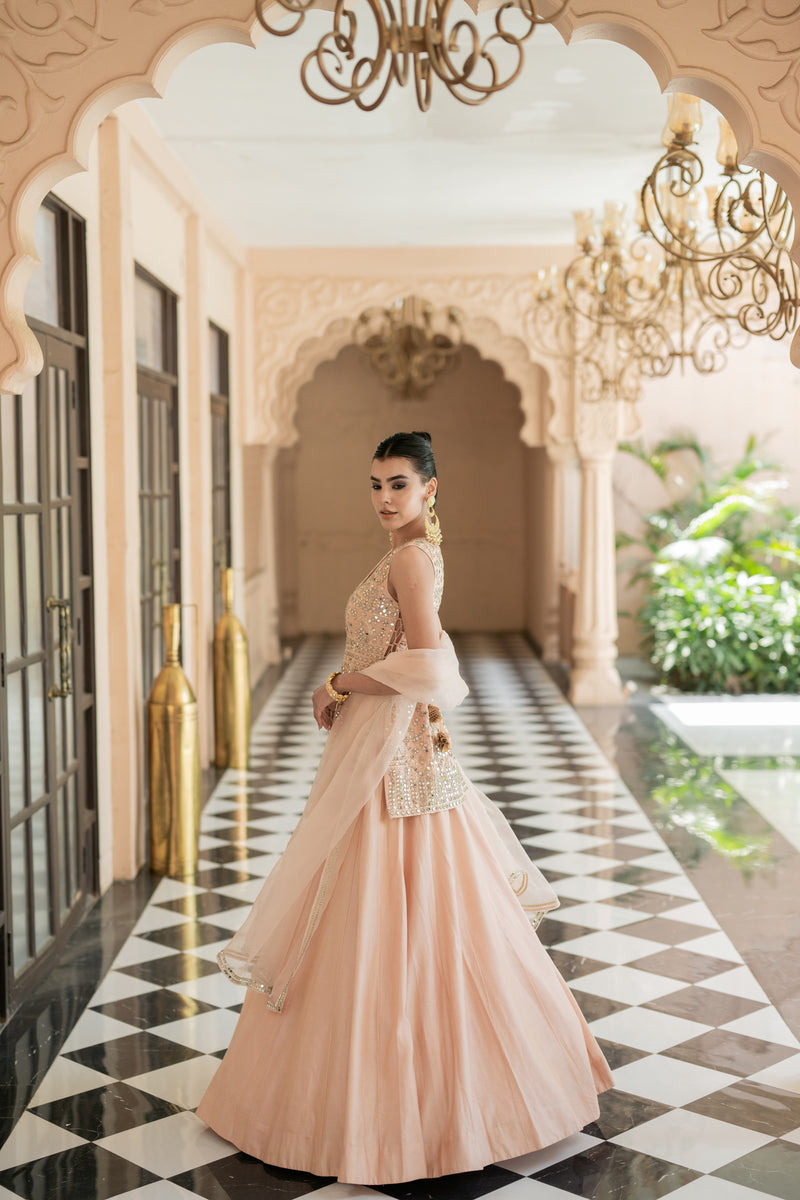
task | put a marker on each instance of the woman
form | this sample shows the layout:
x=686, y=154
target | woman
x=402, y=1020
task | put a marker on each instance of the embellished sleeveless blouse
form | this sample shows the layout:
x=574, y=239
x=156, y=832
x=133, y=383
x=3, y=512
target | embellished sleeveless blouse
x=422, y=777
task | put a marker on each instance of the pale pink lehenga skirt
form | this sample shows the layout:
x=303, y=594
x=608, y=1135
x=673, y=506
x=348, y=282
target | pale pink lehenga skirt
x=426, y=1033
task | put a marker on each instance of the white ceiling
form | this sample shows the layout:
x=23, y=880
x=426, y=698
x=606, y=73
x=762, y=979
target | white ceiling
x=582, y=124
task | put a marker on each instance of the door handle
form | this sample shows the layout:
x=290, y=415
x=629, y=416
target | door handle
x=64, y=647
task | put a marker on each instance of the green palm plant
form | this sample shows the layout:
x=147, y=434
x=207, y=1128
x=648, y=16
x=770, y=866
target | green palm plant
x=722, y=567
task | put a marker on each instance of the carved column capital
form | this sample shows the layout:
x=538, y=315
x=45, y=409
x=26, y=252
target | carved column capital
x=597, y=429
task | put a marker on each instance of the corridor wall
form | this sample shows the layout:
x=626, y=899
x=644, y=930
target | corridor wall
x=141, y=208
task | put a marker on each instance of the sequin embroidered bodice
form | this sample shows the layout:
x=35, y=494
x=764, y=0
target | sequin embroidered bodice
x=422, y=777
x=373, y=623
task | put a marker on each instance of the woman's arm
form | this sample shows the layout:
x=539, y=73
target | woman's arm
x=411, y=581
x=325, y=707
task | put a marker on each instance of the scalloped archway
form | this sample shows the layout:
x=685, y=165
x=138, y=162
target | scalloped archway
x=480, y=331
x=493, y=486
x=63, y=73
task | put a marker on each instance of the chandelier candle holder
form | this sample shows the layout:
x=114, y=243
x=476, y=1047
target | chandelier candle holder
x=660, y=302
x=573, y=316
x=704, y=269
x=411, y=39
x=409, y=344
x=733, y=237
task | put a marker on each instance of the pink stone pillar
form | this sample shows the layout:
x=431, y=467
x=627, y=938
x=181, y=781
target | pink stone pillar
x=594, y=678
x=558, y=458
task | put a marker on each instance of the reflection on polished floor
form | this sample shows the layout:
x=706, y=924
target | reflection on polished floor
x=677, y=881
x=755, y=745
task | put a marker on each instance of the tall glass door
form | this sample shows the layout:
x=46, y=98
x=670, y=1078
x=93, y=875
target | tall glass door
x=47, y=751
x=220, y=460
x=159, y=465
x=48, y=826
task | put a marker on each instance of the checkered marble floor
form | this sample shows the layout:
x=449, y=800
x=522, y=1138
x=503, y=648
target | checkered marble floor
x=707, y=1102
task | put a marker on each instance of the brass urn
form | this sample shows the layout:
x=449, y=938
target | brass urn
x=231, y=685
x=173, y=760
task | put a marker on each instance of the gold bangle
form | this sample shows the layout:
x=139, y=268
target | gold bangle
x=339, y=697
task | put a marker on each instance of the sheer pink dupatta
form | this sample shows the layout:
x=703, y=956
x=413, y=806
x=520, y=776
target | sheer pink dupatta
x=530, y=887
x=268, y=949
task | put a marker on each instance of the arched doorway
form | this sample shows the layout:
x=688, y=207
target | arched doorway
x=490, y=489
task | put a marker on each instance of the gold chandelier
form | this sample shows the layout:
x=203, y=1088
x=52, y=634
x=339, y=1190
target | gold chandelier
x=579, y=327
x=624, y=309
x=660, y=304
x=701, y=273
x=735, y=236
x=412, y=39
x=409, y=344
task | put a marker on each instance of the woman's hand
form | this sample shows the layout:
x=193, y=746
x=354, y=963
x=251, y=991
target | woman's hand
x=324, y=707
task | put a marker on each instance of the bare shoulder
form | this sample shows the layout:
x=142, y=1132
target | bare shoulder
x=411, y=568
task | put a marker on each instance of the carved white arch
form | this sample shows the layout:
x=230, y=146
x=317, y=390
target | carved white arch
x=117, y=64
x=750, y=32
x=62, y=75
x=481, y=332
x=300, y=322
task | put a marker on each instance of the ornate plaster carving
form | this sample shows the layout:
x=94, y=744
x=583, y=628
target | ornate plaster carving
x=289, y=348
x=767, y=30
x=597, y=428
x=65, y=64
x=703, y=47
x=601, y=425
x=39, y=45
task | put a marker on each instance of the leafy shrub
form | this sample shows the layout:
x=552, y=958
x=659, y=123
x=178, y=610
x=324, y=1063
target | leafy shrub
x=723, y=630
x=722, y=565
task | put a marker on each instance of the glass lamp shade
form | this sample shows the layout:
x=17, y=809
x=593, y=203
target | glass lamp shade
x=727, y=150
x=613, y=221
x=684, y=122
x=547, y=282
x=585, y=228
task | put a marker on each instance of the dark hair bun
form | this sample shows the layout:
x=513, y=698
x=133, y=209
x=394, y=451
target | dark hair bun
x=416, y=447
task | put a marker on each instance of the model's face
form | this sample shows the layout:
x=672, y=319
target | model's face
x=399, y=496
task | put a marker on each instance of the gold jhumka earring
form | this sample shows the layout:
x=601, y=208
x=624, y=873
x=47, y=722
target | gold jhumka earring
x=433, y=528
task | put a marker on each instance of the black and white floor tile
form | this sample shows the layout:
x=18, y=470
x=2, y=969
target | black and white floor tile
x=707, y=1102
